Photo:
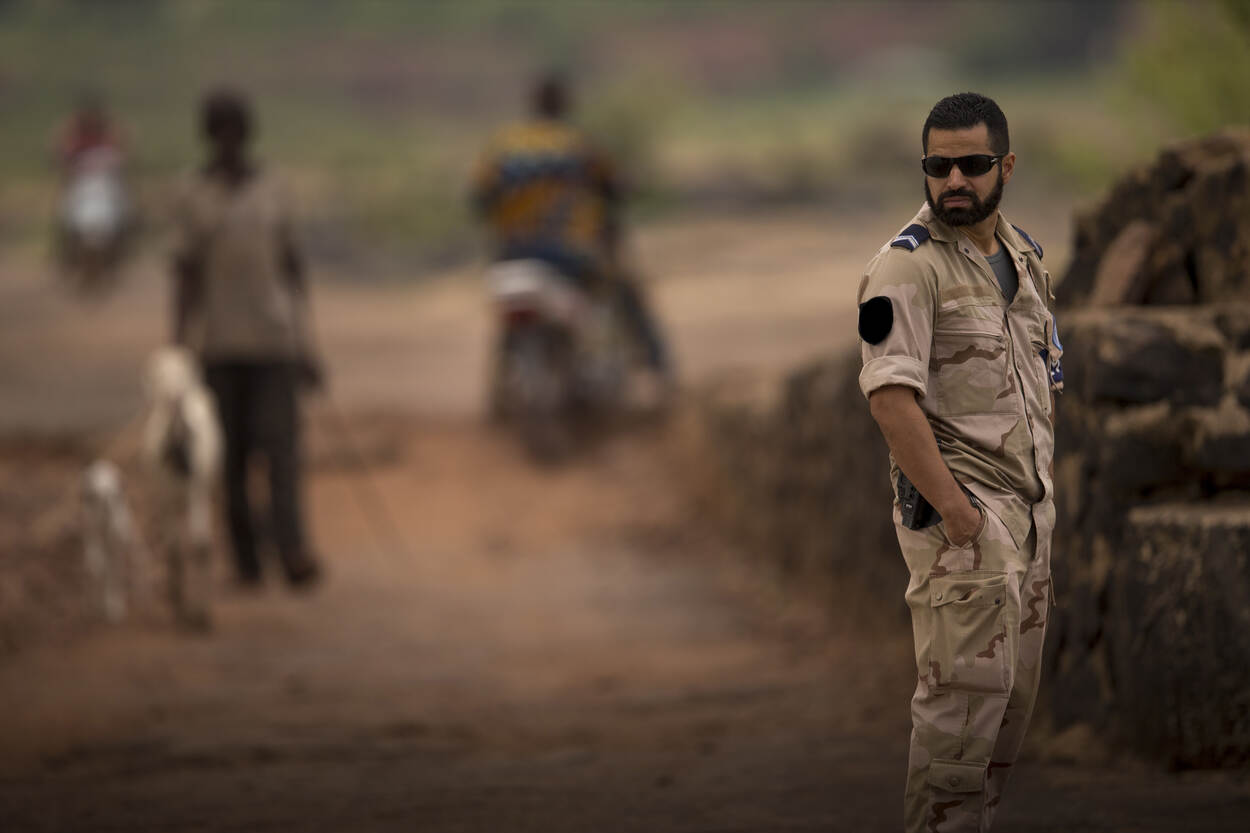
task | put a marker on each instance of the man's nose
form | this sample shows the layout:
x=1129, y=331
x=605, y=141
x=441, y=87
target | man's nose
x=956, y=179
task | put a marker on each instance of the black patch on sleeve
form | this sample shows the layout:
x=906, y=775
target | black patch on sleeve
x=876, y=319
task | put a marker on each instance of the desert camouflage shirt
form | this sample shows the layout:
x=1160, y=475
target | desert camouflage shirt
x=983, y=370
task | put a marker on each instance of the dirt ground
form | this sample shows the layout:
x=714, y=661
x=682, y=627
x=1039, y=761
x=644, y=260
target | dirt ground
x=528, y=649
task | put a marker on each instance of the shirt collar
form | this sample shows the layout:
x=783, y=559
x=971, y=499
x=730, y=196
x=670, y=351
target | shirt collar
x=937, y=229
x=947, y=234
x=1008, y=234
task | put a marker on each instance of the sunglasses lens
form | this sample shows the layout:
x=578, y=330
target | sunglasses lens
x=938, y=166
x=975, y=165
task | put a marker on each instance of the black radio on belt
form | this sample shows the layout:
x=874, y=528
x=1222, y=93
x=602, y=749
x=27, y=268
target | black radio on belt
x=918, y=513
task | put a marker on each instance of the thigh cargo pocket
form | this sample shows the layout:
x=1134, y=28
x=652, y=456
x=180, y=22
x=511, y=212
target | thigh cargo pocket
x=970, y=648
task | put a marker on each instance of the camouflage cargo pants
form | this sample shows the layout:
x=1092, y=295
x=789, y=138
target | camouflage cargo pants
x=979, y=617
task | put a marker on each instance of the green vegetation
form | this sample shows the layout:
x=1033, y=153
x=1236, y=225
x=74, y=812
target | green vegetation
x=1192, y=64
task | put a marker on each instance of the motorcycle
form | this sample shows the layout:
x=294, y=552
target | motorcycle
x=562, y=361
x=94, y=222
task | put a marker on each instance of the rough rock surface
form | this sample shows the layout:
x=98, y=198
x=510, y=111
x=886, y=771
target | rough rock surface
x=1153, y=462
x=1179, y=613
x=1153, y=415
x=1174, y=232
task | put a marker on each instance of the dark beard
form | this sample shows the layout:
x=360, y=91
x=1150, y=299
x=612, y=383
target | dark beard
x=971, y=215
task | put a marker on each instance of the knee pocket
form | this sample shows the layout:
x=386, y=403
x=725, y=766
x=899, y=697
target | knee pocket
x=973, y=645
x=956, y=776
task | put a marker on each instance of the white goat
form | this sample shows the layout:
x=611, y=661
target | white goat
x=182, y=446
x=108, y=539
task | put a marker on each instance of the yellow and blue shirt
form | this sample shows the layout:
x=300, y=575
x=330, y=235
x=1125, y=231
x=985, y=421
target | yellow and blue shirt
x=547, y=193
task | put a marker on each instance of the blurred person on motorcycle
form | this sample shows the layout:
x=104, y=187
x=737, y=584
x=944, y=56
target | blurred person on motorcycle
x=88, y=132
x=95, y=217
x=547, y=193
x=241, y=304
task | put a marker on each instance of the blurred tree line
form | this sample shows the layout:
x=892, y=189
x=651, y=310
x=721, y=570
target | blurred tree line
x=1192, y=63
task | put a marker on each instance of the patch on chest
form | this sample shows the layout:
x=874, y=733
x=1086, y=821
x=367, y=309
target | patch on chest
x=876, y=319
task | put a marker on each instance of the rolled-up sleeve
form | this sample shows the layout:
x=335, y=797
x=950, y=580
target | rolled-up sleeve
x=893, y=370
x=901, y=356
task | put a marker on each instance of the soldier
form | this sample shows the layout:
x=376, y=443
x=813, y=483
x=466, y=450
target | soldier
x=241, y=303
x=961, y=359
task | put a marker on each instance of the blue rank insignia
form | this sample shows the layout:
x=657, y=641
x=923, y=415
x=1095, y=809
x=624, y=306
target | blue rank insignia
x=910, y=238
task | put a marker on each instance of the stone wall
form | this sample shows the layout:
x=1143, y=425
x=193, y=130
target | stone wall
x=1153, y=491
x=1176, y=231
x=1179, y=617
x=1153, y=470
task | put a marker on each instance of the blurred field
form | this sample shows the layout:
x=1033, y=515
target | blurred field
x=376, y=109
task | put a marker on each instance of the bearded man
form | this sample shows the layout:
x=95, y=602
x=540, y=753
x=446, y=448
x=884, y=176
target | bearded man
x=961, y=360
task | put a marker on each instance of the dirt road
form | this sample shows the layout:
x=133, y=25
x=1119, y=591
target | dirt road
x=537, y=650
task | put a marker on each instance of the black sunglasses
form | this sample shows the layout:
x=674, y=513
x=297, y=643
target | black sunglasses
x=974, y=165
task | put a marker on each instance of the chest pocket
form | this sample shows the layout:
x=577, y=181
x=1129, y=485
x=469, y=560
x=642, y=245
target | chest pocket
x=968, y=365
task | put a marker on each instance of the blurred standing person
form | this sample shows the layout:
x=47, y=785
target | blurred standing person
x=961, y=360
x=241, y=302
x=547, y=193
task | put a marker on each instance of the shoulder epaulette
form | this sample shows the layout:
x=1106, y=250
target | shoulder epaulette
x=1037, y=247
x=910, y=238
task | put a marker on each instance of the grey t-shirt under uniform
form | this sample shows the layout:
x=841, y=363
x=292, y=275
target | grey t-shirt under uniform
x=1005, y=271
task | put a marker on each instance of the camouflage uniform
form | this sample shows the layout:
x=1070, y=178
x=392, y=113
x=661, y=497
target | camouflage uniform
x=983, y=372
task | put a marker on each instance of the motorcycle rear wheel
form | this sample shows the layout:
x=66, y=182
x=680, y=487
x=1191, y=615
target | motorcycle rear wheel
x=538, y=391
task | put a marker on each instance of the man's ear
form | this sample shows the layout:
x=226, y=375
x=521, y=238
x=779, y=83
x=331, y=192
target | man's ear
x=1009, y=164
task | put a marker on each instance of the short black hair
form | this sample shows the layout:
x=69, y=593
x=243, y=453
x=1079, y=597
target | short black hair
x=226, y=110
x=550, y=98
x=962, y=110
